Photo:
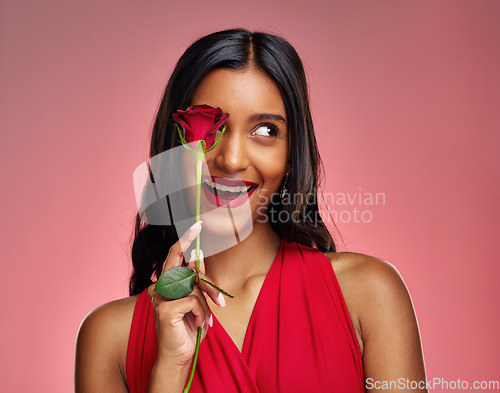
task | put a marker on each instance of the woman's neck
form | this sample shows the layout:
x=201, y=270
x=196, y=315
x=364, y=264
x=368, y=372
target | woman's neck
x=254, y=256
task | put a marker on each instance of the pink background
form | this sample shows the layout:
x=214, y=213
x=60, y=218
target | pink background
x=405, y=97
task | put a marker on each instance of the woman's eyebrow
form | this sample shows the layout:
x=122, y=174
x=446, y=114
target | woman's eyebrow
x=267, y=116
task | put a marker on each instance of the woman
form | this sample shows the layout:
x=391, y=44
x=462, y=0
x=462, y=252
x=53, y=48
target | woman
x=303, y=316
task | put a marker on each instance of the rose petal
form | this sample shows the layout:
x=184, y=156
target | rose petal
x=200, y=122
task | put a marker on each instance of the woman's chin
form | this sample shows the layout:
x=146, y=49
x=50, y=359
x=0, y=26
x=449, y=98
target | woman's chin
x=220, y=233
x=223, y=227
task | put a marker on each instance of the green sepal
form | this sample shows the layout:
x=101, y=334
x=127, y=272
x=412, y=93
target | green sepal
x=217, y=141
x=200, y=148
x=202, y=277
x=176, y=282
x=183, y=141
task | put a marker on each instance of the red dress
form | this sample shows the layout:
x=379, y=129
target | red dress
x=299, y=338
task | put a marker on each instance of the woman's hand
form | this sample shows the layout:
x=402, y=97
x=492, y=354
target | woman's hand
x=177, y=321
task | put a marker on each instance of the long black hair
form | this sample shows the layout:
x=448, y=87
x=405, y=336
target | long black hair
x=239, y=49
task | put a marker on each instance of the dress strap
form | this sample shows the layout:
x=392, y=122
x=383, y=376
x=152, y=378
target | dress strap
x=142, y=346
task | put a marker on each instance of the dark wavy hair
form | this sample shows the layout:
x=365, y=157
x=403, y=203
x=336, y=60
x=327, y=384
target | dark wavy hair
x=239, y=49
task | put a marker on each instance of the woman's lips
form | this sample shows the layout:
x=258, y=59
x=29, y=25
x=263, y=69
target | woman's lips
x=225, y=197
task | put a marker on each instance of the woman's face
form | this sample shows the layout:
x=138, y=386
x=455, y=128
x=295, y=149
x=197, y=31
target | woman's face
x=254, y=148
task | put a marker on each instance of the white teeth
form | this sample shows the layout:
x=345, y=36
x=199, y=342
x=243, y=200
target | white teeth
x=222, y=187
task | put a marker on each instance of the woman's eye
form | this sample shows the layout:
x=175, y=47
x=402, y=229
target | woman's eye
x=266, y=130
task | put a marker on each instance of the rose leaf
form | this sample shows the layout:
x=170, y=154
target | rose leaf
x=176, y=282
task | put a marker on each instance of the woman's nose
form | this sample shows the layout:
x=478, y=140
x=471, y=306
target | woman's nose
x=231, y=154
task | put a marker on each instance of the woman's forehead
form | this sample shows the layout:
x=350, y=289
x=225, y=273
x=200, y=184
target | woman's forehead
x=249, y=90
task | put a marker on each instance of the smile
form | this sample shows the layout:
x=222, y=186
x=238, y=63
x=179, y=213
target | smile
x=223, y=192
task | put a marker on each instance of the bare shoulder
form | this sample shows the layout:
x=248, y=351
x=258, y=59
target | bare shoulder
x=113, y=313
x=372, y=289
x=383, y=318
x=101, y=346
x=370, y=275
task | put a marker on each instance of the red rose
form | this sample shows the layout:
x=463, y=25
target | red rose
x=200, y=123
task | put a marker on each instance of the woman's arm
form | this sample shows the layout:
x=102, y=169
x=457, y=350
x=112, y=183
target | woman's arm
x=101, y=348
x=384, y=320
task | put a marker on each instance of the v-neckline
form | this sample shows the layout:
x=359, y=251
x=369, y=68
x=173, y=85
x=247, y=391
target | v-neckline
x=257, y=301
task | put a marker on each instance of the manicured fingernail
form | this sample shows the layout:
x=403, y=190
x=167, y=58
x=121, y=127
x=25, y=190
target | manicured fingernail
x=194, y=231
x=211, y=321
x=221, y=300
x=193, y=255
x=203, y=325
x=195, y=225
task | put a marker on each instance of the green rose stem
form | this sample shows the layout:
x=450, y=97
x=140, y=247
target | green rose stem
x=199, y=155
x=178, y=281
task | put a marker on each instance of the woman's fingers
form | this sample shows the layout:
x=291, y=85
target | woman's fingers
x=192, y=261
x=175, y=258
x=176, y=253
x=203, y=302
x=214, y=294
x=173, y=311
